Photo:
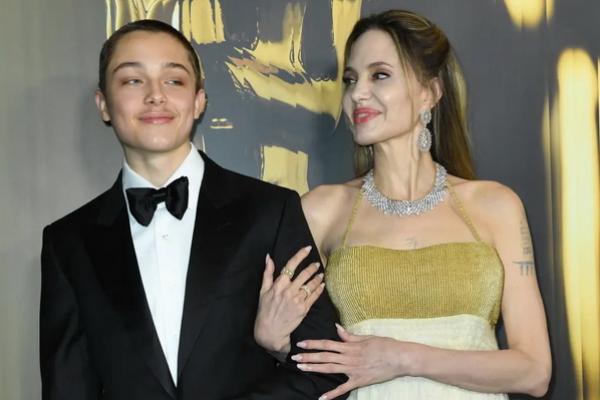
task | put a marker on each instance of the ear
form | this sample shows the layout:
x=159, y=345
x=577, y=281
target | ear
x=433, y=93
x=102, y=107
x=199, y=103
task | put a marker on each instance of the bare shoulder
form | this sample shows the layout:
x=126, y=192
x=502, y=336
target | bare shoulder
x=494, y=203
x=325, y=207
x=329, y=200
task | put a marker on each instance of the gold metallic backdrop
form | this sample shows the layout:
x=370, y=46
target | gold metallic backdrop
x=575, y=167
x=273, y=81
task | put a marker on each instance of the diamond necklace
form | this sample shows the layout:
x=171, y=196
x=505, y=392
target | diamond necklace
x=405, y=207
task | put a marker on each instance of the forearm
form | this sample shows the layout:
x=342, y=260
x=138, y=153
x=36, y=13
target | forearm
x=494, y=371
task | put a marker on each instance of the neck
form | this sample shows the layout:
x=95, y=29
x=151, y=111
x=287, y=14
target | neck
x=401, y=171
x=156, y=167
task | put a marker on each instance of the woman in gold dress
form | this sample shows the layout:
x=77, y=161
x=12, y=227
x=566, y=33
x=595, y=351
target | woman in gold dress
x=420, y=257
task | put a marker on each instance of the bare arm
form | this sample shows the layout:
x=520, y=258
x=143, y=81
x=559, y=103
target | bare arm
x=525, y=367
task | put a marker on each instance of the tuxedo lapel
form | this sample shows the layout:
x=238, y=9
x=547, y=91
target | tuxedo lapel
x=209, y=256
x=112, y=253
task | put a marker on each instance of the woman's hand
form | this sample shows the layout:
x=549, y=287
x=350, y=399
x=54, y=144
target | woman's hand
x=364, y=359
x=284, y=302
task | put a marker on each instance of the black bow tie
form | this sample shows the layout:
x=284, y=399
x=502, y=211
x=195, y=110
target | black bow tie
x=143, y=201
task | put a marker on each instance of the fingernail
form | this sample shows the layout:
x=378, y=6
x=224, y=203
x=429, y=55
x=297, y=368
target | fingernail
x=321, y=275
x=304, y=367
x=267, y=258
x=341, y=328
x=308, y=248
x=323, y=397
x=302, y=345
x=296, y=357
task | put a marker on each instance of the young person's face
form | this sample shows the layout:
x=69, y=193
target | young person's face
x=150, y=97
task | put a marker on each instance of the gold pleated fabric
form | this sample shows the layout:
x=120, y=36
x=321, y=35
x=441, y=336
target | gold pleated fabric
x=368, y=282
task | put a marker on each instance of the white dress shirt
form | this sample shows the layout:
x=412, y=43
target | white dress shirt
x=163, y=251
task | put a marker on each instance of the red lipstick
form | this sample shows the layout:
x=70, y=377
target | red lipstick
x=363, y=114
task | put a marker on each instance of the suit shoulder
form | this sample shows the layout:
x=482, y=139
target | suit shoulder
x=255, y=187
x=78, y=216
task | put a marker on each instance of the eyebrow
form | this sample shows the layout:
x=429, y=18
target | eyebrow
x=137, y=64
x=372, y=65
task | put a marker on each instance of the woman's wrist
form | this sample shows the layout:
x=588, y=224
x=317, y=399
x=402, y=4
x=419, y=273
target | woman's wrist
x=274, y=345
x=412, y=359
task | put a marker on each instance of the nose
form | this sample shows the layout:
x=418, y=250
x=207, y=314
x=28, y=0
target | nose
x=155, y=94
x=360, y=91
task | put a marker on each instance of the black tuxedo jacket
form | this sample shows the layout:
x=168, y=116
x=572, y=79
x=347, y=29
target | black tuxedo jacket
x=97, y=337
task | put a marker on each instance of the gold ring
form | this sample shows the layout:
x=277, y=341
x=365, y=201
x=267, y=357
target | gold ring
x=306, y=290
x=288, y=272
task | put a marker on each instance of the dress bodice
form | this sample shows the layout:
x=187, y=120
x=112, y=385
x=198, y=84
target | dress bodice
x=446, y=279
x=446, y=295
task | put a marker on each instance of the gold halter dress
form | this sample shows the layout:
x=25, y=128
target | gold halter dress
x=446, y=295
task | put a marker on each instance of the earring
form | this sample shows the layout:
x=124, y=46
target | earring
x=424, y=139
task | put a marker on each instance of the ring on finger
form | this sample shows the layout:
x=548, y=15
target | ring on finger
x=306, y=290
x=288, y=272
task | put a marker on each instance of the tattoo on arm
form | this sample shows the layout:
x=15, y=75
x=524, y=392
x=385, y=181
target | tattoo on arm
x=527, y=265
x=526, y=238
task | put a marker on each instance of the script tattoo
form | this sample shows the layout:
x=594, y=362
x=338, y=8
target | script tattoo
x=526, y=238
x=526, y=266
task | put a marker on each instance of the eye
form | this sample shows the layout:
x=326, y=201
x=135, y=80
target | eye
x=378, y=76
x=174, y=82
x=132, y=81
x=348, y=80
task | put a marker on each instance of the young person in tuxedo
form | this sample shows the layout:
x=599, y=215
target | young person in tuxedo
x=150, y=290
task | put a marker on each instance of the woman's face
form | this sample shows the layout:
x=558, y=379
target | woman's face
x=382, y=98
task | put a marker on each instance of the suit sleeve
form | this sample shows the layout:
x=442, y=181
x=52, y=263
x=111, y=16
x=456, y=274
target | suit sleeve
x=64, y=360
x=289, y=382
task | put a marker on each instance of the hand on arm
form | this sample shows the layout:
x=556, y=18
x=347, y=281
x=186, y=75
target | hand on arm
x=285, y=301
x=366, y=360
x=288, y=382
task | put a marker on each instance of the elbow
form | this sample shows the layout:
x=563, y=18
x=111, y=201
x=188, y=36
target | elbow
x=539, y=380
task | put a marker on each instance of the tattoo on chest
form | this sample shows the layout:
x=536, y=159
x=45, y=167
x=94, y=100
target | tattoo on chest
x=411, y=242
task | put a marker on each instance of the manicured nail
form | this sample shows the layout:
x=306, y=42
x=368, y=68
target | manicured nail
x=341, y=328
x=323, y=397
x=267, y=258
x=321, y=275
x=317, y=264
x=304, y=367
x=302, y=345
x=296, y=357
x=307, y=249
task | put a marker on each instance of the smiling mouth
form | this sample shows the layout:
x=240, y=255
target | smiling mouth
x=156, y=119
x=362, y=115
